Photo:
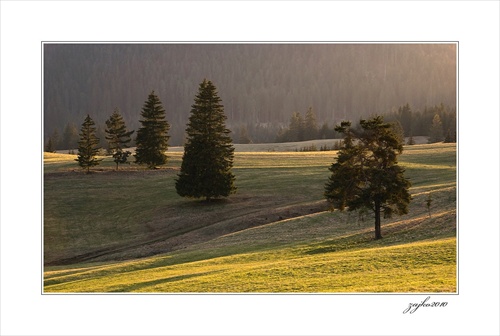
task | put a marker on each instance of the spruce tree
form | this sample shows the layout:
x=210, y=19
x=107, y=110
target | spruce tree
x=366, y=173
x=398, y=131
x=436, y=131
x=49, y=147
x=152, y=136
x=70, y=136
x=450, y=137
x=88, y=145
x=55, y=140
x=310, y=125
x=405, y=115
x=118, y=137
x=411, y=141
x=244, y=138
x=324, y=131
x=296, y=129
x=208, y=153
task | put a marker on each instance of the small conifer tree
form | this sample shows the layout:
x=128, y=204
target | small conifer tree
x=244, y=138
x=118, y=137
x=70, y=136
x=49, y=147
x=310, y=125
x=296, y=129
x=152, y=136
x=55, y=140
x=88, y=145
x=411, y=141
x=436, y=131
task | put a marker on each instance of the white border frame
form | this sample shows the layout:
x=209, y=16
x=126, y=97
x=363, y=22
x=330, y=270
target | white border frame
x=24, y=24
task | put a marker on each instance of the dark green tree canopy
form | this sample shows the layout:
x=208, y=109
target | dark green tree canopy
x=88, y=145
x=366, y=173
x=118, y=137
x=208, y=152
x=152, y=136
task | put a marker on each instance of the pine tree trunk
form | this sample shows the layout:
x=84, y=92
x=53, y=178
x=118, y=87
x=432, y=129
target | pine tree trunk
x=378, y=233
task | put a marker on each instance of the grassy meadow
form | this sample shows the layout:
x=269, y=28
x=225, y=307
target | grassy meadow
x=128, y=230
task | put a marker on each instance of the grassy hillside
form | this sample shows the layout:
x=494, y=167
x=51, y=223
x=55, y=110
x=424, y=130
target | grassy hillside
x=274, y=235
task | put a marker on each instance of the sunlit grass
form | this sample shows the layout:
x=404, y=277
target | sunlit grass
x=426, y=266
x=283, y=159
x=56, y=157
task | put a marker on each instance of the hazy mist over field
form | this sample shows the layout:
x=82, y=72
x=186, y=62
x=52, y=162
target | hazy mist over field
x=261, y=85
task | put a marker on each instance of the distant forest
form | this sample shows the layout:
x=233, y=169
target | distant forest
x=261, y=85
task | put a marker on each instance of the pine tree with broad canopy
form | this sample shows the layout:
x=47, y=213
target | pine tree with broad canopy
x=88, y=145
x=366, y=174
x=152, y=136
x=118, y=137
x=208, y=153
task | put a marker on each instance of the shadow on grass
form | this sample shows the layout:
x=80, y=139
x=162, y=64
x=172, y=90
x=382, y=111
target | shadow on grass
x=342, y=244
x=145, y=284
x=409, y=231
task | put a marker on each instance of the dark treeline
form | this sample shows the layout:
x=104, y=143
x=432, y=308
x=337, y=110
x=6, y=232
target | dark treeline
x=260, y=85
x=411, y=123
x=422, y=122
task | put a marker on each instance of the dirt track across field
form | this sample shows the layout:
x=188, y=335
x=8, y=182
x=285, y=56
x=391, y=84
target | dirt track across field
x=182, y=229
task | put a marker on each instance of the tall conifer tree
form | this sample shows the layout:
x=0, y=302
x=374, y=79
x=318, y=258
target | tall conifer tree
x=208, y=153
x=152, y=136
x=118, y=137
x=88, y=145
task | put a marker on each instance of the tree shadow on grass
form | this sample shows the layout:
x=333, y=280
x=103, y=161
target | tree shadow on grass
x=342, y=244
x=202, y=203
x=404, y=232
x=138, y=286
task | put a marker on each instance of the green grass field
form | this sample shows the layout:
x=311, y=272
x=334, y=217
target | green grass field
x=128, y=231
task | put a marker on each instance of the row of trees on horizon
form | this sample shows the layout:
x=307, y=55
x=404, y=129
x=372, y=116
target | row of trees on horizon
x=436, y=122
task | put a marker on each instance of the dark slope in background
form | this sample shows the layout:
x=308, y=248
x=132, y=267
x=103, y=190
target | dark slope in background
x=261, y=85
